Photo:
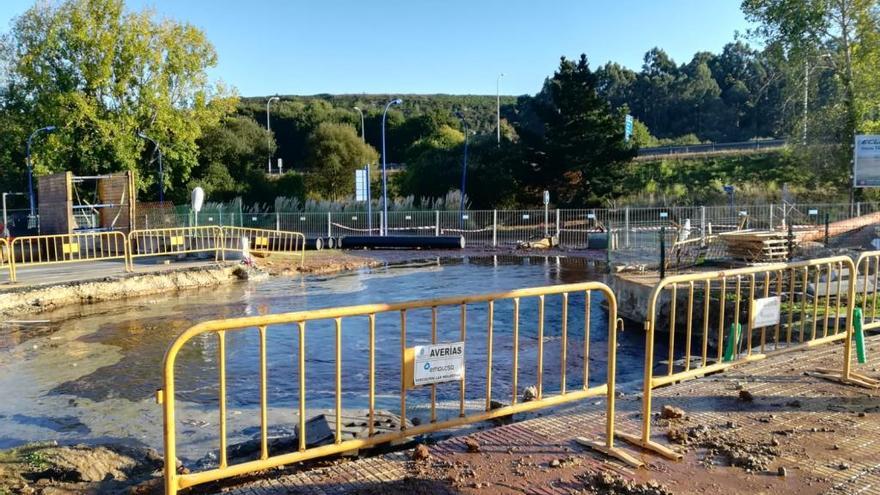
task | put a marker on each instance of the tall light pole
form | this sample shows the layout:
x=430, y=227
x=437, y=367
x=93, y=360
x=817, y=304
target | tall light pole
x=396, y=101
x=498, y=109
x=269, y=131
x=463, y=170
x=161, y=171
x=363, y=129
x=48, y=128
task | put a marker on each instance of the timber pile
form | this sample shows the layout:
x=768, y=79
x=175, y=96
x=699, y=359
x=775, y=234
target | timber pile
x=756, y=246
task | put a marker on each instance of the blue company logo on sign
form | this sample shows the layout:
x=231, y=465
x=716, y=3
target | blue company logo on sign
x=427, y=366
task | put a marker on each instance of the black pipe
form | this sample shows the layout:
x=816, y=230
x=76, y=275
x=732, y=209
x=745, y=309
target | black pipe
x=315, y=244
x=401, y=242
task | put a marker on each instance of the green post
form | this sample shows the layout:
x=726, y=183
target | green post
x=859, y=335
x=732, y=341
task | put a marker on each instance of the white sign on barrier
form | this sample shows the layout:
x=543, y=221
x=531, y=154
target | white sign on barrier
x=765, y=311
x=664, y=214
x=438, y=363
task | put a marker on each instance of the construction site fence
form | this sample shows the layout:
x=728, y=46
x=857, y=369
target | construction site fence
x=33, y=251
x=265, y=241
x=393, y=330
x=706, y=322
x=631, y=232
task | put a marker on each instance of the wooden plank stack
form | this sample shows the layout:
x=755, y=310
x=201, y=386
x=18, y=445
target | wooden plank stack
x=756, y=246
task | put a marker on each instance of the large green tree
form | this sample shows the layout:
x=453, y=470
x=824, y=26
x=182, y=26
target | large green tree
x=102, y=74
x=579, y=151
x=335, y=151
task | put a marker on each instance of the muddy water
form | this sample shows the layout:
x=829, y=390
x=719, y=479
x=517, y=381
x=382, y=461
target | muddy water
x=89, y=374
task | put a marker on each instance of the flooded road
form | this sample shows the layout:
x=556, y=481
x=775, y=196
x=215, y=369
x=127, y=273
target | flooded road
x=89, y=374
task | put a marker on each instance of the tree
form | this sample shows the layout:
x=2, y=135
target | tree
x=580, y=151
x=232, y=157
x=335, y=151
x=101, y=75
x=842, y=33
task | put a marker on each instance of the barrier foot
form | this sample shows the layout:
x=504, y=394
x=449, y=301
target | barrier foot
x=854, y=378
x=610, y=451
x=649, y=445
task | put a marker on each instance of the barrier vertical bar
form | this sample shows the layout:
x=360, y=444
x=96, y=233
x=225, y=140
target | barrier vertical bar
x=302, y=386
x=626, y=226
x=491, y=324
x=264, y=405
x=462, y=334
x=515, y=349
x=540, y=347
x=221, y=351
x=338, y=433
x=329, y=225
x=372, y=426
x=402, y=366
x=437, y=223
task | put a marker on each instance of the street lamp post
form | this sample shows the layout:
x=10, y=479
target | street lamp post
x=396, y=101
x=33, y=212
x=463, y=170
x=363, y=129
x=161, y=170
x=269, y=132
x=498, y=108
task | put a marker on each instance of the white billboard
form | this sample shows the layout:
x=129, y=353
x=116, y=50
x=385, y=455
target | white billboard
x=866, y=166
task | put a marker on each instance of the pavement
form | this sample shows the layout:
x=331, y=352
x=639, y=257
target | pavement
x=763, y=427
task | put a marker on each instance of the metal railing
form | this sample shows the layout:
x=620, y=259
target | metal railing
x=686, y=149
x=265, y=241
x=30, y=251
x=868, y=276
x=6, y=259
x=424, y=315
x=176, y=241
x=812, y=301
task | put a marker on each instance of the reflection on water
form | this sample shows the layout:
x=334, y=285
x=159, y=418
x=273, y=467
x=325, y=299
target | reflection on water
x=91, y=374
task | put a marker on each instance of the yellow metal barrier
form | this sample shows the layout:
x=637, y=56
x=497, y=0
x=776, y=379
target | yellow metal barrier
x=808, y=303
x=68, y=248
x=175, y=241
x=336, y=316
x=868, y=270
x=264, y=241
x=6, y=258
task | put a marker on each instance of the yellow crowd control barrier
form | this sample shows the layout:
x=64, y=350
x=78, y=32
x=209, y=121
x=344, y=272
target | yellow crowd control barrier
x=176, y=241
x=264, y=241
x=751, y=313
x=418, y=312
x=67, y=248
x=868, y=269
x=6, y=259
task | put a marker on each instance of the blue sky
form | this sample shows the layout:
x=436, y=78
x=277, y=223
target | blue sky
x=425, y=46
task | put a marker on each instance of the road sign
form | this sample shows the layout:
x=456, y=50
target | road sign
x=628, y=128
x=360, y=184
x=866, y=161
x=438, y=363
